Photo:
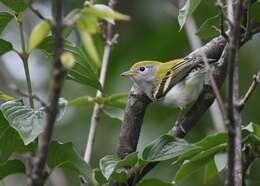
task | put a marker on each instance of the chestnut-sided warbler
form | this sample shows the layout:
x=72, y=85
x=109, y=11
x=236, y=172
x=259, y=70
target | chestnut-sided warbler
x=176, y=83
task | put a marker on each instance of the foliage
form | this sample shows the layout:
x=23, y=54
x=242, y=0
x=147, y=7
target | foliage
x=186, y=11
x=65, y=156
x=29, y=123
x=21, y=125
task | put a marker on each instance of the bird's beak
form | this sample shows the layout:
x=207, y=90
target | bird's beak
x=129, y=73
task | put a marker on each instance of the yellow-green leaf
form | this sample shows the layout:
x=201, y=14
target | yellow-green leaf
x=72, y=17
x=88, y=23
x=5, y=97
x=105, y=12
x=89, y=46
x=40, y=31
x=68, y=60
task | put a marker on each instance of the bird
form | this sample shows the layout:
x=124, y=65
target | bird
x=176, y=83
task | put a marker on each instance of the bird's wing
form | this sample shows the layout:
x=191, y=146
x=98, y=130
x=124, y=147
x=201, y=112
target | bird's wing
x=178, y=71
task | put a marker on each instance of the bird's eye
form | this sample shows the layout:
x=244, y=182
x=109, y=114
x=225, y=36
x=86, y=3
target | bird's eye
x=142, y=69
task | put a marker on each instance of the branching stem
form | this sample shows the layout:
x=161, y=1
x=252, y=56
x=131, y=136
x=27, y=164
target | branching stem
x=24, y=56
x=39, y=175
x=243, y=101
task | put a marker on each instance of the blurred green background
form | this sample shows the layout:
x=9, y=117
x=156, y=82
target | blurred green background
x=152, y=34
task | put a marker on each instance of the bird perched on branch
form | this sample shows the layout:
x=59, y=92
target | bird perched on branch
x=176, y=83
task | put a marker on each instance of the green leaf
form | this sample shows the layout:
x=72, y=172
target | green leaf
x=188, y=153
x=114, y=113
x=154, y=182
x=197, y=162
x=47, y=46
x=39, y=32
x=9, y=140
x=5, y=46
x=107, y=165
x=186, y=11
x=129, y=161
x=5, y=18
x=65, y=156
x=81, y=72
x=72, y=17
x=208, y=29
x=16, y=5
x=208, y=142
x=251, y=134
x=252, y=173
x=3, y=96
x=89, y=46
x=82, y=101
x=164, y=148
x=120, y=175
x=105, y=12
x=111, y=165
x=27, y=122
x=87, y=22
x=11, y=167
x=113, y=101
x=220, y=161
x=252, y=128
x=255, y=13
x=210, y=171
x=212, y=140
x=99, y=176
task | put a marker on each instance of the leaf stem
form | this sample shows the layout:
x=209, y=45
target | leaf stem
x=24, y=57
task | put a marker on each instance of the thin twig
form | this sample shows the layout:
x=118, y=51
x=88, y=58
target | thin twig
x=219, y=4
x=217, y=116
x=24, y=56
x=109, y=41
x=35, y=97
x=215, y=87
x=247, y=33
x=244, y=99
x=38, y=173
x=35, y=11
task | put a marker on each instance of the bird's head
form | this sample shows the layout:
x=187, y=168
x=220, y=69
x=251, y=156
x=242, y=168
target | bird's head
x=143, y=71
x=144, y=74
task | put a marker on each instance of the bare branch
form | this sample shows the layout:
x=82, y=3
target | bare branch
x=109, y=41
x=38, y=175
x=35, y=11
x=133, y=119
x=243, y=101
x=23, y=94
x=219, y=4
